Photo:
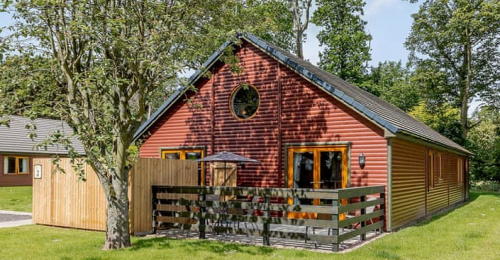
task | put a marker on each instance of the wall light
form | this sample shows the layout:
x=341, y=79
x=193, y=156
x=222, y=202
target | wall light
x=362, y=160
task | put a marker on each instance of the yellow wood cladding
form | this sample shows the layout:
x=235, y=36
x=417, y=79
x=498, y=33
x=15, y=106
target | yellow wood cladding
x=423, y=181
x=61, y=200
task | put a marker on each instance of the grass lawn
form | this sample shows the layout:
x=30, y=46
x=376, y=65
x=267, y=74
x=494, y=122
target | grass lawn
x=16, y=198
x=469, y=232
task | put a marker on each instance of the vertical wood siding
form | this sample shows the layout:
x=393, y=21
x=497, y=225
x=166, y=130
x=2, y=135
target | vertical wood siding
x=61, y=200
x=16, y=179
x=308, y=115
x=409, y=186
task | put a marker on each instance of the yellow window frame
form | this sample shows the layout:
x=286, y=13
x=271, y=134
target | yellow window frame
x=16, y=163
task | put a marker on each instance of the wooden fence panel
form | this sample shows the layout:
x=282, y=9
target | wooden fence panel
x=147, y=172
x=61, y=200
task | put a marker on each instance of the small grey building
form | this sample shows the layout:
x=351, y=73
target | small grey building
x=17, y=148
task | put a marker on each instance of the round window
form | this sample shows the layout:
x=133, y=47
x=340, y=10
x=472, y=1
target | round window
x=244, y=101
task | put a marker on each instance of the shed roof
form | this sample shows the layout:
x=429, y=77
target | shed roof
x=382, y=113
x=15, y=139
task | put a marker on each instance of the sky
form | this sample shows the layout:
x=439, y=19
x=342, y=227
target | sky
x=389, y=23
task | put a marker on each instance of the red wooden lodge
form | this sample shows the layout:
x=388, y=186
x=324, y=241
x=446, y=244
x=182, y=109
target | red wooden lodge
x=309, y=129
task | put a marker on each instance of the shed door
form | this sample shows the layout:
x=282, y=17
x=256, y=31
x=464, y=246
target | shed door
x=316, y=168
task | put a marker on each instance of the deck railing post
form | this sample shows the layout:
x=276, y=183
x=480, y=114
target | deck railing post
x=153, y=211
x=203, y=209
x=266, y=231
x=382, y=208
x=336, y=217
x=363, y=212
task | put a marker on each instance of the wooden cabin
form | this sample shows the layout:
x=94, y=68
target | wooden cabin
x=309, y=129
x=17, y=148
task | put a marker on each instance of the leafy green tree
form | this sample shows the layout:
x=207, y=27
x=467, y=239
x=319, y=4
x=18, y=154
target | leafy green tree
x=343, y=35
x=392, y=82
x=28, y=87
x=111, y=58
x=484, y=142
x=455, y=48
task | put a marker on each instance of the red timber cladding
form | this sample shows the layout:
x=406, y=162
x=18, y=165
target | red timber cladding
x=308, y=115
x=408, y=182
x=311, y=115
x=16, y=179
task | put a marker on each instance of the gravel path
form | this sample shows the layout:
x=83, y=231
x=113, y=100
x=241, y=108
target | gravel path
x=13, y=217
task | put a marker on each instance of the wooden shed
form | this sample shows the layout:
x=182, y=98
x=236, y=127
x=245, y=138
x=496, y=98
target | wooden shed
x=17, y=151
x=309, y=129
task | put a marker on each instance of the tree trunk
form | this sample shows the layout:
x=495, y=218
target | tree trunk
x=298, y=41
x=117, y=225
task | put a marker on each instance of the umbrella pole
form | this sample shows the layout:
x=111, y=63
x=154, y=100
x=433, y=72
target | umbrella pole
x=225, y=173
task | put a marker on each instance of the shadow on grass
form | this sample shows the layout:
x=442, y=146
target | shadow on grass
x=191, y=245
x=472, y=197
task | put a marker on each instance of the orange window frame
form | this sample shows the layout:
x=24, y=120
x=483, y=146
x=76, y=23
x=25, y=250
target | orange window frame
x=316, y=172
x=182, y=154
x=16, y=167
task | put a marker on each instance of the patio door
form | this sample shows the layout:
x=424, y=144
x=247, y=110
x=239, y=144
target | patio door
x=316, y=167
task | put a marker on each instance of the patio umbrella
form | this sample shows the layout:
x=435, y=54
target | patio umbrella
x=227, y=157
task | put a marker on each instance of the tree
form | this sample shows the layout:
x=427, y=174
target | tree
x=392, y=82
x=455, y=48
x=343, y=35
x=300, y=16
x=28, y=87
x=484, y=143
x=111, y=57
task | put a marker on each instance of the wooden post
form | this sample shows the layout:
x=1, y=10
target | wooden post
x=203, y=209
x=363, y=223
x=266, y=215
x=382, y=208
x=153, y=223
x=335, y=217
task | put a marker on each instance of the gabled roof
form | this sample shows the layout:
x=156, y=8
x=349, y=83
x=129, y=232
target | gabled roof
x=387, y=116
x=15, y=139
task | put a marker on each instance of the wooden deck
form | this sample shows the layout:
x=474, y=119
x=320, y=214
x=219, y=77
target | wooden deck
x=192, y=233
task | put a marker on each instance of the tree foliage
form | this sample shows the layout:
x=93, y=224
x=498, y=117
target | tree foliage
x=484, y=142
x=111, y=58
x=392, y=82
x=455, y=48
x=344, y=38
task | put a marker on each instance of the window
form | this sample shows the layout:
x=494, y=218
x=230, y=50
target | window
x=244, y=101
x=431, y=170
x=15, y=165
x=460, y=170
x=440, y=166
x=187, y=154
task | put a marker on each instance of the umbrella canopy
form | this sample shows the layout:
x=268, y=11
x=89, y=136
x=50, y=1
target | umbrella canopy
x=227, y=157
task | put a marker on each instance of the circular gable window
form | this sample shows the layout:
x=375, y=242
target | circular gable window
x=244, y=101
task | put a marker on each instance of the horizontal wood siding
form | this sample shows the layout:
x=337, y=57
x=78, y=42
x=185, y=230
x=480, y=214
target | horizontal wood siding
x=308, y=115
x=311, y=115
x=411, y=197
x=408, y=182
x=16, y=179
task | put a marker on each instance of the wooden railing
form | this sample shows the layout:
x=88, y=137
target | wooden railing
x=344, y=213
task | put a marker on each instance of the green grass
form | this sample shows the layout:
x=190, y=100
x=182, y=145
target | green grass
x=16, y=198
x=469, y=232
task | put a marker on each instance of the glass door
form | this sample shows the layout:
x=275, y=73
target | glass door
x=316, y=167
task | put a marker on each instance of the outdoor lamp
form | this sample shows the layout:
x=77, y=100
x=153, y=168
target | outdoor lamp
x=362, y=160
